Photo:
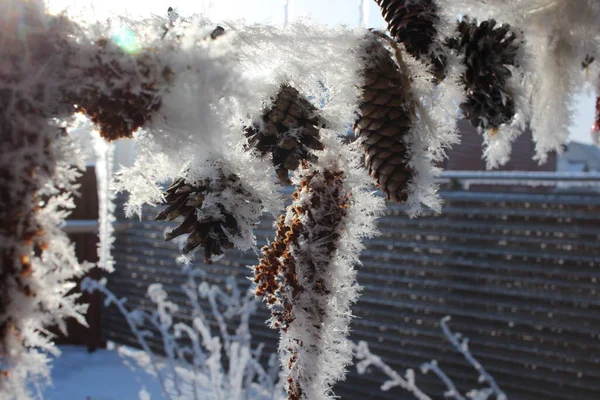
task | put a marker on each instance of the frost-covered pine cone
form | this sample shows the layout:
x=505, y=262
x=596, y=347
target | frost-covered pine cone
x=123, y=87
x=411, y=23
x=487, y=51
x=289, y=131
x=210, y=228
x=385, y=120
x=128, y=95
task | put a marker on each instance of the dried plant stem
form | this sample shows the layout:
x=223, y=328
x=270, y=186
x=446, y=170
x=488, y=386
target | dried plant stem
x=294, y=277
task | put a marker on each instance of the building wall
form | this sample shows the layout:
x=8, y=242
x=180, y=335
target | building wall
x=468, y=155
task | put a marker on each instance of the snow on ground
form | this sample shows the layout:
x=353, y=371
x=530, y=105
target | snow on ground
x=79, y=375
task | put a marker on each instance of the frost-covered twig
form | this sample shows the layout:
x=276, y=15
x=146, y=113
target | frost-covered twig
x=134, y=321
x=462, y=345
x=38, y=166
x=367, y=359
x=306, y=275
x=363, y=12
x=302, y=309
x=193, y=364
x=451, y=392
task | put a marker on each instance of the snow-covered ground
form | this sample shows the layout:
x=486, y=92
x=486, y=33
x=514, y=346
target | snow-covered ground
x=79, y=375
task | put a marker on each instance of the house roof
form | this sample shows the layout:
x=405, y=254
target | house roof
x=583, y=153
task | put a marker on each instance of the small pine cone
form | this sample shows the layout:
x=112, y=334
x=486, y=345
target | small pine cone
x=128, y=96
x=290, y=132
x=184, y=200
x=385, y=121
x=129, y=93
x=487, y=51
x=412, y=23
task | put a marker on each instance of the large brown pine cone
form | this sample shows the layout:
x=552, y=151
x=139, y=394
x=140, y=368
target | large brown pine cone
x=185, y=200
x=289, y=131
x=385, y=121
x=488, y=50
x=412, y=23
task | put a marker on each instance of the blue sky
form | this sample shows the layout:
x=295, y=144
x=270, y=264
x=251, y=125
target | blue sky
x=330, y=12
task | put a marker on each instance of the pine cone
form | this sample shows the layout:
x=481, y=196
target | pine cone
x=384, y=122
x=129, y=95
x=412, y=23
x=185, y=200
x=487, y=51
x=290, y=131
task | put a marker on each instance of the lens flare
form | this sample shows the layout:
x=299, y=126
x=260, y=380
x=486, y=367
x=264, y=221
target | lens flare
x=127, y=40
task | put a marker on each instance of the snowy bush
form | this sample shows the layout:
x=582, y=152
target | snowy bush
x=197, y=363
x=223, y=111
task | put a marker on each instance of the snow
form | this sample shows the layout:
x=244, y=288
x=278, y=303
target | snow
x=101, y=375
x=105, y=375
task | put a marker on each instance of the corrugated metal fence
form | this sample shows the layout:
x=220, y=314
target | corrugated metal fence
x=516, y=267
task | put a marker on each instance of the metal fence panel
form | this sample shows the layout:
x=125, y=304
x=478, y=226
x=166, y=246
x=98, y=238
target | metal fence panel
x=518, y=272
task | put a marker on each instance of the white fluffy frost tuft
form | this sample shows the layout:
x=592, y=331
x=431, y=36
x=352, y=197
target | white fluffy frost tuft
x=433, y=131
